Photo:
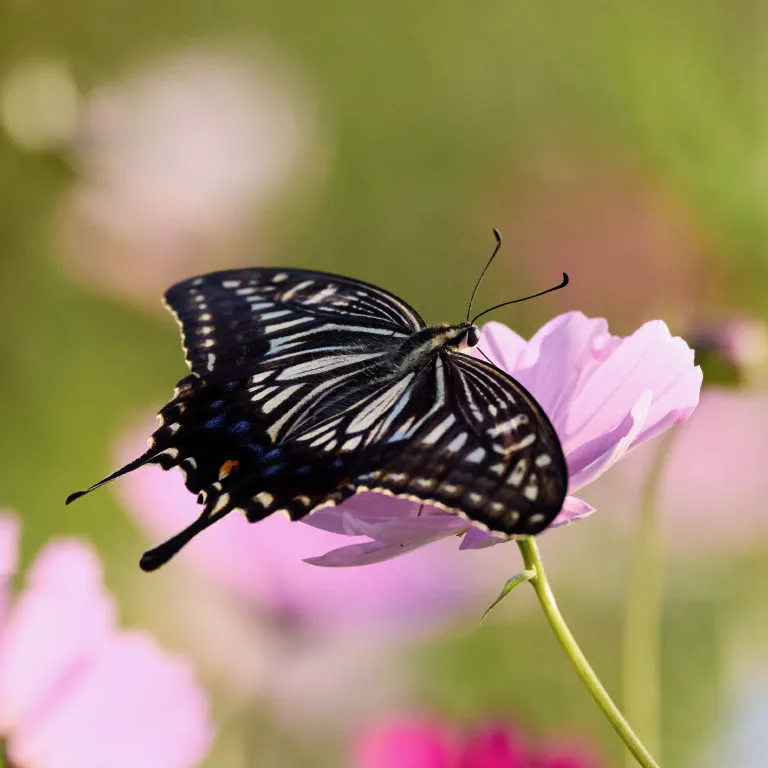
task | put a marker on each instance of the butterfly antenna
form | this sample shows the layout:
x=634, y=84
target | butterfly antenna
x=482, y=274
x=135, y=464
x=154, y=558
x=564, y=282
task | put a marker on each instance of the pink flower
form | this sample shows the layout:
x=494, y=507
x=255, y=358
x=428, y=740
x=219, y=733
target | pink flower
x=604, y=394
x=320, y=645
x=723, y=448
x=179, y=160
x=77, y=692
x=429, y=743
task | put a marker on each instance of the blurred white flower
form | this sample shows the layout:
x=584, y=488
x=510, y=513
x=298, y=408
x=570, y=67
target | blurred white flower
x=178, y=160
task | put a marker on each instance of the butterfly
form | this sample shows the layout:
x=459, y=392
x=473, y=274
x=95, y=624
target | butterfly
x=307, y=388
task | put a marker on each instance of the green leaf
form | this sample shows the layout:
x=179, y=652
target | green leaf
x=518, y=578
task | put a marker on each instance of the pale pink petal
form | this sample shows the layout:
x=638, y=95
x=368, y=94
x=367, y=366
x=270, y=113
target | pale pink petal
x=401, y=743
x=9, y=553
x=365, y=553
x=56, y=627
x=573, y=509
x=649, y=359
x=135, y=705
x=410, y=530
x=684, y=394
x=676, y=391
x=558, y=359
x=477, y=538
x=368, y=507
x=392, y=537
x=605, y=450
x=500, y=344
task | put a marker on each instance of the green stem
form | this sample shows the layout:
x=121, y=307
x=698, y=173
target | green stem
x=642, y=620
x=540, y=584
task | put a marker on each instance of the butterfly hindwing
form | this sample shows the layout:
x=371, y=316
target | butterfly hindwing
x=460, y=434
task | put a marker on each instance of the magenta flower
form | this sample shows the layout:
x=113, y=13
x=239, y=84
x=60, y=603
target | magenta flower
x=604, y=394
x=429, y=743
x=76, y=691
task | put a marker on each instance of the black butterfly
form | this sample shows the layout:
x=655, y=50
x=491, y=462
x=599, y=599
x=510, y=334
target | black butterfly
x=307, y=388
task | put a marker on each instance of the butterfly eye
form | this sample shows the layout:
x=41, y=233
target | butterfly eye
x=472, y=338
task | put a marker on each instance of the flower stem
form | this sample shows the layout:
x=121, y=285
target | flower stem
x=642, y=619
x=540, y=584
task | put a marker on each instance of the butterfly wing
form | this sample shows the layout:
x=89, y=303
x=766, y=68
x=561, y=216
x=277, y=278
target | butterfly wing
x=231, y=320
x=271, y=351
x=458, y=433
x=466, y=436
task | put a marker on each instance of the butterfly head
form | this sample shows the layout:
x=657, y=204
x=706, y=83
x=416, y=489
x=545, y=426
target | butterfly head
x=463, y=336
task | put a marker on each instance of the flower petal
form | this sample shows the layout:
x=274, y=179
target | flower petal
x=411, y=530
x=365, y=553
x=388, y=545
x=685, y=397
x=406, y=744
x=595, y=457
x=494, y=747
x=560, y=356
x=649, y=359
x=135, y=705
x=367, y=507
x=500, y=344
x=58, y=624
x=477, y=538
x=573, y=509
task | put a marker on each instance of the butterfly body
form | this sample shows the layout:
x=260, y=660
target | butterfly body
x=307, y=388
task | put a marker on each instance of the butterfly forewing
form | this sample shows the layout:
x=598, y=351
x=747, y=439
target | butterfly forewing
x=270, y=350
x=231, y=320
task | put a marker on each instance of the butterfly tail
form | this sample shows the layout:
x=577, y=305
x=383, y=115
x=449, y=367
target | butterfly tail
x=145, y=458
x=158, y=556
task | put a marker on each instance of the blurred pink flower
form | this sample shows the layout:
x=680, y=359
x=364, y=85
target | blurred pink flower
x=263, y=563
x=429, y=743
x=178, y=161
x=604, y=394
x=319, y=645
x=711, y=494
x=77, y=692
